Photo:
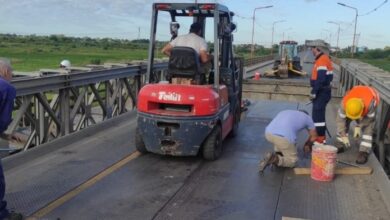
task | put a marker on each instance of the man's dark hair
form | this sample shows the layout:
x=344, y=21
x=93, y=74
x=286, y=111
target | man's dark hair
x=196, y=27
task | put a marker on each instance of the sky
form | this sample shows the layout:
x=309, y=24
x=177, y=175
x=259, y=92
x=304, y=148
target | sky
x=130, y=19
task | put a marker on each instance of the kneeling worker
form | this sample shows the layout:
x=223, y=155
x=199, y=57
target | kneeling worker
x=282, y=132
x=359, y=104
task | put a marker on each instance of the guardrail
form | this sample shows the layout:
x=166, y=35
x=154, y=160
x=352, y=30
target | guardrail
x=54, y=103
x=354, y=72
x=256, y=60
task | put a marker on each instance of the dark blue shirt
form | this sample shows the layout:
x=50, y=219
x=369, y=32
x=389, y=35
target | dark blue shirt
x=7, y=97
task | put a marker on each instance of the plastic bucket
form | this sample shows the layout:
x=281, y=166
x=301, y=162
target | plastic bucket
x=323, y=162
x=257, y=76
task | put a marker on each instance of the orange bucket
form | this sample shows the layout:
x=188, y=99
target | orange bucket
x=323, y=162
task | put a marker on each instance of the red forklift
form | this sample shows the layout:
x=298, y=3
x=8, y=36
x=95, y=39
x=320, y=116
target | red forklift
x=184, y=119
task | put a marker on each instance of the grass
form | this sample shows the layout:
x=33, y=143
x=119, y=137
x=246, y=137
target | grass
x=34, y=56
x=380, y=63
x=29, y=57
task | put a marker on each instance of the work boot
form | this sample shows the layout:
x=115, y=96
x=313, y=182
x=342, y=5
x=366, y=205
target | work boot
x=340, y=149
x=269, y=158
x=362, y=157
x=279, y=153
x=14, y=216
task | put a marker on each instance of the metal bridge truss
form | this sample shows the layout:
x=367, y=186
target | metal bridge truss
x=354, y=72
x=52, y=106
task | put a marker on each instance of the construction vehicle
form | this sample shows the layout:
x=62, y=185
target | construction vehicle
x=179, y=113
x=288, y=63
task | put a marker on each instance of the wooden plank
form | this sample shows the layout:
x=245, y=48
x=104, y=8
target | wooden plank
x=342, y=171
x=290, y=218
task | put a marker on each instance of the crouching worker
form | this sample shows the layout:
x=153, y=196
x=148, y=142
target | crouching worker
x=282, y=132
x=359, y=104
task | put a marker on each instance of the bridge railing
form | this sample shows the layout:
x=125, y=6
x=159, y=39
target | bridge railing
x=54, y=103
x=256, y=60
x=354, y=72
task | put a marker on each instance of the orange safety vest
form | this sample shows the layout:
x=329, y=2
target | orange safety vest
x=322, y=63
x=366, y=93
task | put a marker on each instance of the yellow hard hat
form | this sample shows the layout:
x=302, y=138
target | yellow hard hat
x=354, y=108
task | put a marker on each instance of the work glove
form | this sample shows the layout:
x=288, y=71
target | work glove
x=357, y=132
x=312, y=96
x=345, y=141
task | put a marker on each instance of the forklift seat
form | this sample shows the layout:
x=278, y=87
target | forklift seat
x=184, y=63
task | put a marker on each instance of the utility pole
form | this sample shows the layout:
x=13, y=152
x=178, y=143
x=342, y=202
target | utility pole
x=357, y=41
x=338, y=34
x=253, y=26
x=285, y=31
x=272, y=40
x=330, y=36
x=139, y=31
x=354, y=32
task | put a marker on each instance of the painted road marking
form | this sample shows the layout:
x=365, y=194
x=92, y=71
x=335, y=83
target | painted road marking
x=69, y=195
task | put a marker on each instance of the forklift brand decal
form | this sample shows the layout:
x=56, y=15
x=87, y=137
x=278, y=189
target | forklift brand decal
x=169, y=96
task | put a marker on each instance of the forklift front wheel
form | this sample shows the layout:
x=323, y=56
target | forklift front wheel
x=212, y=147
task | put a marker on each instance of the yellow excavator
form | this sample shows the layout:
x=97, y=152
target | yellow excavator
x=288, y=63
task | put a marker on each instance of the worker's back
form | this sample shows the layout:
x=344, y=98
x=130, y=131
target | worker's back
x=190, y=40
x=288, y=123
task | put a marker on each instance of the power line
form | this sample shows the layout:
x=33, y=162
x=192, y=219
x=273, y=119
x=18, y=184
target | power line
x=374, y=9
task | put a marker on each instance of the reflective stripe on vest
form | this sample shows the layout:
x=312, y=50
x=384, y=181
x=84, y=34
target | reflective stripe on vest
x=322, y=63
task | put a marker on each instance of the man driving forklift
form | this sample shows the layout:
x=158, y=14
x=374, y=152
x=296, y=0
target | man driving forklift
x=194, y=40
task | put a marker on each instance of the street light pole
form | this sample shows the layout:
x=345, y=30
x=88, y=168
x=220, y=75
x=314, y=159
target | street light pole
x=285, y=31
x=253, y=26
x=330, y=36
x=272, y=40
x=354, y=33
x=338, y=34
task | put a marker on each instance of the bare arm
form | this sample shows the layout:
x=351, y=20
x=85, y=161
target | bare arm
x=204, y=56
x=167, y=49
x=313, y=135
x=310, y=141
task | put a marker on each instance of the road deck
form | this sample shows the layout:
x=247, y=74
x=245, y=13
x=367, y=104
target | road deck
x=163, y=187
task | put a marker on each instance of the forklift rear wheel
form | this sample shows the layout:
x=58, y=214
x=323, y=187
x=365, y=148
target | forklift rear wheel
x=139, y=143
x=212, y=147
